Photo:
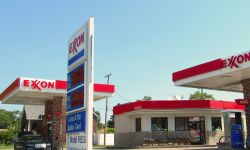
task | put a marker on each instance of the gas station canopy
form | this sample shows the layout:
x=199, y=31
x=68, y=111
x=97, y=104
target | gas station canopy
x=220, y=74
x=37, y=91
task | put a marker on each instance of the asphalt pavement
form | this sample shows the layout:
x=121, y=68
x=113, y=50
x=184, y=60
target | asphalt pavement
x=167, y=148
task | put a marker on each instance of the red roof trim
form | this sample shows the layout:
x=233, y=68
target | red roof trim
x=104, y=88
x=61, y=84
x=199, y=69
x=177, y=104
x=11, y=88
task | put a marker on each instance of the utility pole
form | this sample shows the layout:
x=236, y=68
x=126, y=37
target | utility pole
x=106, y=110
x=202, y=97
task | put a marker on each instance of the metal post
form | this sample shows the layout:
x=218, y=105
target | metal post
x=106, y=110
x=202, y=97
x=29, y=125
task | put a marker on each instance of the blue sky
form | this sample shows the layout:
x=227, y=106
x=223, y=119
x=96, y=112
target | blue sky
x=140, y=42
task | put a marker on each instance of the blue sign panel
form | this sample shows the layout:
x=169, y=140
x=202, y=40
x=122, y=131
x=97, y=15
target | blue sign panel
x=236, y=136
x=76, y=122
x=76, y=77
x=76, y=57
x=75, y=99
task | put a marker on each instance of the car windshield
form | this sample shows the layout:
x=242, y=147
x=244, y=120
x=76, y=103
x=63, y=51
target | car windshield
x=33, y=138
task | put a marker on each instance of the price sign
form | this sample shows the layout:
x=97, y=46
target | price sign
x=76, y=77
x=75, y=99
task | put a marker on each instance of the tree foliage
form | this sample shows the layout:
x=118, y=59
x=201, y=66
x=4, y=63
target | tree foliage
x=147, y=98
x=10, y=120
x=111, y=122
x=100, y=125
x=197, y=95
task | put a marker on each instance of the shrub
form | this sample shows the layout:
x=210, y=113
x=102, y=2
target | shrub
x=110, y=130
x=6, y=137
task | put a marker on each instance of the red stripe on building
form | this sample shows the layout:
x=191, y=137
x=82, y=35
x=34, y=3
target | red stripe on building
x=60, y=84
x=11, y=88
x=199, y=69
x=104, y=88
x=177, y=104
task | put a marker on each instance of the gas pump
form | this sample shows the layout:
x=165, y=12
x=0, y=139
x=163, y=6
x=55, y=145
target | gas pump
x=236, y=132
x=233, y=129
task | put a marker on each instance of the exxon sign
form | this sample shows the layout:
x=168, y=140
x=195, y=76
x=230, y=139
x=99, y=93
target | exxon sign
x=42, y=85
x=236, y=61
x=75, y=44
x=38, y=84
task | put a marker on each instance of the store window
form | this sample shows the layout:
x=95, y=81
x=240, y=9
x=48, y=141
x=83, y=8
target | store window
x=216, y=124
x=181, y=124
x=138, y=124
x=159, y=124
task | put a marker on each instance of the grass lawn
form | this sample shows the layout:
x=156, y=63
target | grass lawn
x=103, y=147
x=5, y=147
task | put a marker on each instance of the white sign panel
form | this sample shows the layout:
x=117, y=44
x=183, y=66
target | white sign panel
x=76, y=141
x=77, y=47
x=80, y=86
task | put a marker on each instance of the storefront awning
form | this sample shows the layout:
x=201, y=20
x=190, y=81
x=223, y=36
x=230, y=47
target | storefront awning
x=28, y=91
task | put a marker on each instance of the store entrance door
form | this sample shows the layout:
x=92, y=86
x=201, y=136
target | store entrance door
x=196, y=127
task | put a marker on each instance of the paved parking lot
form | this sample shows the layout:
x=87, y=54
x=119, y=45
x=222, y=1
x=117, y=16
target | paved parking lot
x=170, y=148
x=189, y=148
x=201, y=148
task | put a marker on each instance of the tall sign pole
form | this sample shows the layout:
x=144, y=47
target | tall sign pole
x=90, y=83
x=79, y=120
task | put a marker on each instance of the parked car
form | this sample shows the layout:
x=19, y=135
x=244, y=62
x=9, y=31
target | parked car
x=31, y=142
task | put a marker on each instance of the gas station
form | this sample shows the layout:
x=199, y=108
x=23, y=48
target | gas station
x=225, y=74
x=69, y=104
x=52, y=94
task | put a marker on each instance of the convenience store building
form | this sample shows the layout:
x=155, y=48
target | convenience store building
x=197, y=121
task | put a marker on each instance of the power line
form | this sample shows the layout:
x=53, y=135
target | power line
x=122, y=97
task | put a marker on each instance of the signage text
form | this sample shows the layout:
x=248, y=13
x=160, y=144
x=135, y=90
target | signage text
x=75, y=122
x=242, y=101
x=235, y=61
x=73, y=46
x=38, y=84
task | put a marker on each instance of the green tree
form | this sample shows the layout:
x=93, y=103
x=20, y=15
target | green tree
x=10, y=120
x=201, y=96
x=100, y=125
x=111, y=122
x=147, y=98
